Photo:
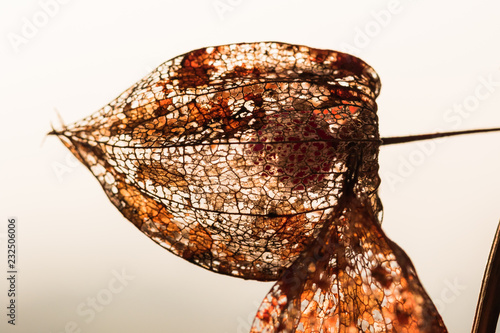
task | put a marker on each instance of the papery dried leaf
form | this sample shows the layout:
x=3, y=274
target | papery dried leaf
x=260, y=161
x=352, y=279
x=232, y=157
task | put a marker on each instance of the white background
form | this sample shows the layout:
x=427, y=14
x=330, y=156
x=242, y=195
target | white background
x=443, y=209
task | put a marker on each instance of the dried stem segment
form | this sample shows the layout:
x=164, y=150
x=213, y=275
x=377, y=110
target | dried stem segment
x=488, y=305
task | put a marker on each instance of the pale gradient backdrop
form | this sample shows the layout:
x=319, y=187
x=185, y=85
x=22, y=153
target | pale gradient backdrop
x=441, y=200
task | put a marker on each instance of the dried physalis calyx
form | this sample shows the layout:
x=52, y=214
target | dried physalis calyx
x=259, y=161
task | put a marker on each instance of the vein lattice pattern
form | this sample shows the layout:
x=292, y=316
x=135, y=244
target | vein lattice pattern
x=243, y=159
x=352, y=279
